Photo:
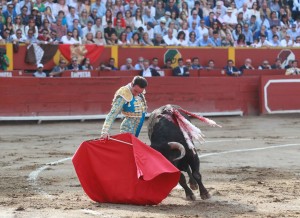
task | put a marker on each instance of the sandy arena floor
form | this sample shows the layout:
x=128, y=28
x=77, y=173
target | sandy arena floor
x=251, y=167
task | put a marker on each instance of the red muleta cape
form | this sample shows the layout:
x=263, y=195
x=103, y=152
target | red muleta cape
x=114, y=172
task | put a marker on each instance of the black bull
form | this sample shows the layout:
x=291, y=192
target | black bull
x=167, y=138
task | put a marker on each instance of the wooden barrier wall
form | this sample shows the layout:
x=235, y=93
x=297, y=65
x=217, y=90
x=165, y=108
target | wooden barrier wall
x=25, y=96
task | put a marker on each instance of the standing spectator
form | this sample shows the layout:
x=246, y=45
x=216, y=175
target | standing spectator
x=180, y=70
x=147, y=71
x=247, y=65
x=128, y=65
x=40, y=73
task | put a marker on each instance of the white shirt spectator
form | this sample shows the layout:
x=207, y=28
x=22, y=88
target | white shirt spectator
x=246, y=13
x=286, y=43
x=230, y=19
x=202, y=30
x=170, y=41
x=66, y=40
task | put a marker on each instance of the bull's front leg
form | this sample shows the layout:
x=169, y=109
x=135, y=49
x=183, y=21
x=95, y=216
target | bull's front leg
x=188, y=192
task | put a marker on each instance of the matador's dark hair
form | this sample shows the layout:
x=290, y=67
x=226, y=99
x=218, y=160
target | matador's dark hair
x=140, y=81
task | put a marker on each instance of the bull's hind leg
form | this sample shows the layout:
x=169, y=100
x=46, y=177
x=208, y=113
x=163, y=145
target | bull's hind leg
x=188, y=192
x=204, y=194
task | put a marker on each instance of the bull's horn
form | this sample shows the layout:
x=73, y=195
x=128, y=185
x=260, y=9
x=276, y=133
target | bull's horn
x=180, y=147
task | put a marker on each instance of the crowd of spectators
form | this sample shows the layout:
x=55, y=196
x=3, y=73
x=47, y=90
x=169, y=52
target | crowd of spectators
x=255, y=23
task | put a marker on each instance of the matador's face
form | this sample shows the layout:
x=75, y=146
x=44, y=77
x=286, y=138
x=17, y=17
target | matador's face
x=136, y=90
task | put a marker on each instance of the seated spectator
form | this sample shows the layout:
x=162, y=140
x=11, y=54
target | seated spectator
x=286, y=42
x=98, y=39
x=135, y=40
x=59, y=28
x=161, y=28
x=195, y=64
x=297, y=42
x=147, y=71
x=76, y=36
x=216, y=41
x=154, y=64
x=192, y=39
x=128, y=65
x=248, y=34
x=277, y=64
x=181, y=40
x=294, y=70
x=119, y=17
x=227, y=41
x=169, y=38
x=241, y=41
x=76, y=25
x=263, y=42
x=74, y=64
x=158, y=40
x=113, y=40
x=188, y=64
x=40, y=73
x=54, y=39
x=18, y=25
x=18, y=37
x=210, y=65
x=30, y=38
x=265, y=66
x=110, y=66
x=59, y=69
x=108, y=31
x=180, y=70
x=149, y=29
x=231, y=70
x=44, y=37
x=119, y=29
x=205, y=41
x=146, y=40
x=86, y=64
x=168, y=64
x=230, y=18
x=289, y=64
x=68, y=39
x=247, y=65
x=275, y=41
x=139, y=65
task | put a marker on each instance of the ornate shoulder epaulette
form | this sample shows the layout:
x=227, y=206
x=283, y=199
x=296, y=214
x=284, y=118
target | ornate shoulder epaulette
x=125, y=93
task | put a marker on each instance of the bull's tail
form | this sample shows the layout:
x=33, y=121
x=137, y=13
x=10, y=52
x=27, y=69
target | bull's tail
x=178, y=146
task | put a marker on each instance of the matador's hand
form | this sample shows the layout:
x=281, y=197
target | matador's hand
x=104, y=137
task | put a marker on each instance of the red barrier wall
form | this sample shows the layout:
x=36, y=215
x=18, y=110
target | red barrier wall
x=280, y=94
x=89, y=96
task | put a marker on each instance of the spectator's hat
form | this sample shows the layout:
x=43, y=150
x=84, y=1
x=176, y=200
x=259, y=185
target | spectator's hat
x=163, y=20
x=229, y=10
x=35, y=9
x=168, y=13
x=40, y=66
x=150, y=24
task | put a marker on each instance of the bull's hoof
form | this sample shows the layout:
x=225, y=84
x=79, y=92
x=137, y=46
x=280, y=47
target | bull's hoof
x=191, y=197
x=194, y=186
x=205, y=196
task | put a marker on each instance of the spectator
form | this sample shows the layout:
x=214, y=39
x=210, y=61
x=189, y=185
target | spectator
x=194, y=19
x=277, y=64
x=232, y=70
x=98, y=39
x=25, y=13
x=297, y=42
x=135, y=40
x=265, y=66
x=180, y=70
x=54, y=39
x=120, y=18
x=89, y=28
x=168, y=64
x=293, y=32
x=154, y=64
x=45, y=25
x=18, y=37
x=86, y=64
x=76, y=36
x=198, y=9
x=248, y=34
x=30, y=38
x=246, y=13
x=160, y=11
x=273, y=31
x=230, y=18
x=237, y=31
x=139, y=65
x=210, y=65
x=71, y=16
x=74, y=64
x=247, y=65
x=107, y=18
x=181, y=41
x=93, y=16
x=161, y=28
x=118, y=7
x=99, y=7
x=289, y=64
x=147, y=71
x=146, y=40
x=169, y=38
x=195, y=64
x=194, y=28
x=129, y=20
x=98, y=26
x=108, y=31
x=205, y=41
x=209, y=20
x=202, y=29
x=286, y=42
x=294, y=70
x=43, y=38
x=149, y=29
x=68, y=39
x=264, y=10
x=21, y=5
x=158, y=40
x=241, y=41
x=216, y=41
x=275, y=41
x=123, y=39
x=138, y=20
x=40, y=73
x=274, y=21
x=59, y=28
x=84, y=18
x=188, y=64
x=59, y=69
x=61, y=6
x=128, y=65
x=119, y=29
x=131, y=7
x=254, y=11
x=4, y=61
x=263, y=42
x=148, y=18
x=10, y=12
x=227, y=41
x=192, y=39
x=9, y=25
x=172, y=7
x=224, y=30
x=76, y=25
x=254, y=24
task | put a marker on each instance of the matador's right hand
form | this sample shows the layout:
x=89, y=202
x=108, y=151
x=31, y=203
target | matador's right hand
x=104, y=137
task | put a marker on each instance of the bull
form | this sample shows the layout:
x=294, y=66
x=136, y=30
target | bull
x=171, y=133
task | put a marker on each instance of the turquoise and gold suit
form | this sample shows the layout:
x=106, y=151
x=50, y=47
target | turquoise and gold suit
x=132, y=107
